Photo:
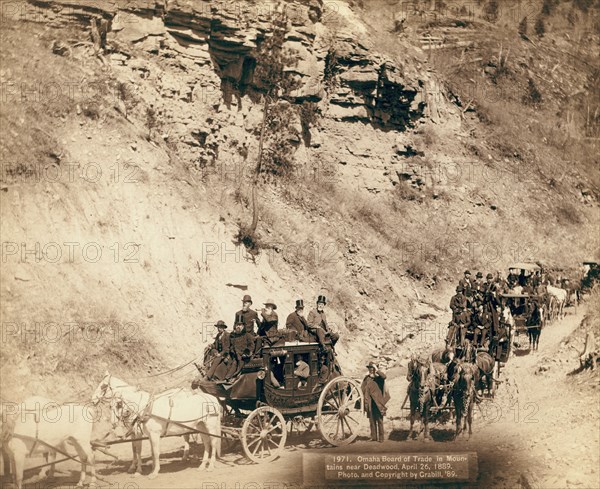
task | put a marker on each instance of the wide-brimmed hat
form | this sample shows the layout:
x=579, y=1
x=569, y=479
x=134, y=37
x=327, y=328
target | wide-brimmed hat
x=220, y=324
x=270, y=302
x=321, y=299
x=467, y=272
x=239, y=319
x=299, y=304
x=479, y=275
x=489, y=275
x=247, y=298
x=372, y=364
x=460, y=288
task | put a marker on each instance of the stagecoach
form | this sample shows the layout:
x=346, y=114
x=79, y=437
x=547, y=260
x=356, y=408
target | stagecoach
x=266, y=399
x=520, y=310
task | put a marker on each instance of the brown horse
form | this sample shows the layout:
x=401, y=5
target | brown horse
x=485, y=364
x=466, y=376
x=424, y=383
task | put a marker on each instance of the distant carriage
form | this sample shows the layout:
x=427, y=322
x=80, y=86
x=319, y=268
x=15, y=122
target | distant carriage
x=523, y=307
x=590, y=275
x=267, y=399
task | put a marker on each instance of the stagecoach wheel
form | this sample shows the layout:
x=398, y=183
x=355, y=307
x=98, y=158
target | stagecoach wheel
x=263, y=434
x=339, y=411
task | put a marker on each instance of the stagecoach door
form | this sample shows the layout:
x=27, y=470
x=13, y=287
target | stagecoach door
x=292, y=382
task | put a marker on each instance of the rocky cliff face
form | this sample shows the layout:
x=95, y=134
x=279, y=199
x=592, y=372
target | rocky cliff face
x=200, y=59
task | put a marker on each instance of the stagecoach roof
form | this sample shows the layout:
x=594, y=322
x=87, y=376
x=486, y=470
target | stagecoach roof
x=524, y=266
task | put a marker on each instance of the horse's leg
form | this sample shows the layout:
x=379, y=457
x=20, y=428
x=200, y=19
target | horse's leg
x=136, y=462
x=155, y=444
x=425, y=421
x=469, y=416
x=86, y=455
x=458, y=416
x=214, y=427
x=186, y=447
x=51, y=457
x=204, y=464
x=17, y=451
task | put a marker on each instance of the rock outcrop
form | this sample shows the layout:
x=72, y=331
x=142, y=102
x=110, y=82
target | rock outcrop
x=355, y=84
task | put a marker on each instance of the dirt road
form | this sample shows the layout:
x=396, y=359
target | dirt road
x=541, y=431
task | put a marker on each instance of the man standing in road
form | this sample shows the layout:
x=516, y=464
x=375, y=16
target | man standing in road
x=375, y=397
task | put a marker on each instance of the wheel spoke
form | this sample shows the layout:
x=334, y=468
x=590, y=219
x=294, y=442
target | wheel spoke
x=278, y=425
x=348, y=425
x=335, y=400
x=257, y=447
x=352, y=419
x=250, y=443
x=328, y=402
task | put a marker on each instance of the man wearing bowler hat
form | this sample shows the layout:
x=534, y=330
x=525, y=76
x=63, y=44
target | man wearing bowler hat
x=376, y=397
x=221, y=346
x=296, y=321
x=318, y=323
x=249, y=316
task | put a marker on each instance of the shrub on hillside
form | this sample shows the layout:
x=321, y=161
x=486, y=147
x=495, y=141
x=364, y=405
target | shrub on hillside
x=491, y=11
x=548, y=6
x=533, y=96
x=540, y=27
x=523, y=27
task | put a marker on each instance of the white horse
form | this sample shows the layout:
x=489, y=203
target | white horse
x=559, y=299
x=173, y=412
x=39, y=424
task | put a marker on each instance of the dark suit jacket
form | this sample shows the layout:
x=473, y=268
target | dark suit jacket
x=298, y=324
x=248, y=318
x=317, y=319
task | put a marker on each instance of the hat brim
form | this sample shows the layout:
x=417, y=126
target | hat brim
x=270, y=304
x=224, y=326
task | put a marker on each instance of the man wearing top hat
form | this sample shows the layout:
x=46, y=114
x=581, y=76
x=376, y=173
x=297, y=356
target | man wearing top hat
x=318, y=323
x=296, y=321
x=376, y=396
x=249, y=316
x=242, y=346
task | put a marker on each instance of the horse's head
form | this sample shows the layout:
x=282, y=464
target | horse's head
x=463, y=377
x=414, y=368
x=422, y=375
x=120, y=416
x=104, y=389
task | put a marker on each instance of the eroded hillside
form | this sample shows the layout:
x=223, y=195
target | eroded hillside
x=133, y=133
